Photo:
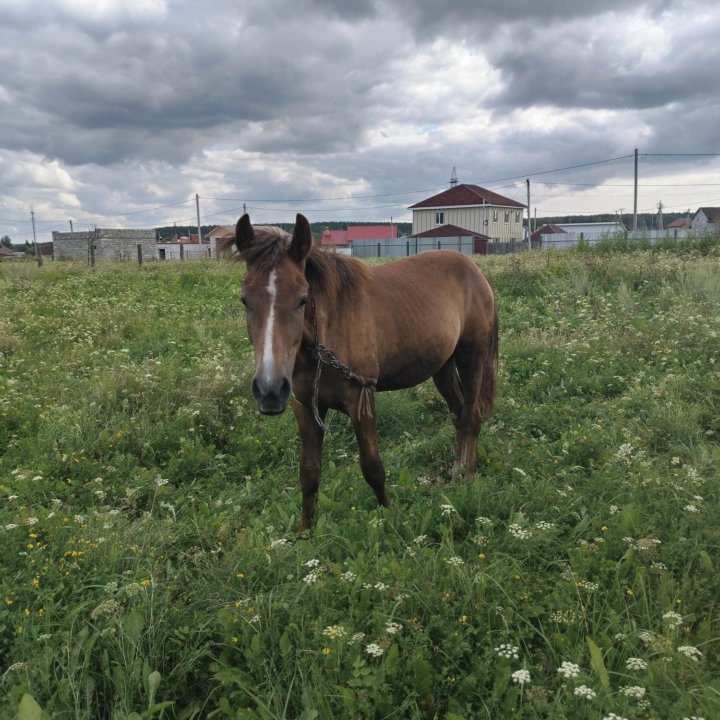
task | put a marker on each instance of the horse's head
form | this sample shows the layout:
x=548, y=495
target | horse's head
x=274, y=295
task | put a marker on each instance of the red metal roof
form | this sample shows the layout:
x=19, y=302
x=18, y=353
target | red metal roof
x=547, y=230
x=371, y=232
x=358, y=232
x=679, y=223
x=450, y=231
x=334, y=237
x=465, y=194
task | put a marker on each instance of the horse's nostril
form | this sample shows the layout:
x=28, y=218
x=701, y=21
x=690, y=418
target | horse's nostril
x=255, y=389
x=272, y=393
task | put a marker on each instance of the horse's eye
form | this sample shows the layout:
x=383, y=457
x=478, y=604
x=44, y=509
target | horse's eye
x=302, y=303
x=243, y=301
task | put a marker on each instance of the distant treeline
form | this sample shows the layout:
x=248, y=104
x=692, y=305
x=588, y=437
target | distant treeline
x=645, y=220
x=170, y=231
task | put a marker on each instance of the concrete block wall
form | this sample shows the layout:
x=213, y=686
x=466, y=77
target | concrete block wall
x=110, y=244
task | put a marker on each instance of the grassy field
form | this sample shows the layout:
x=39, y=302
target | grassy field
x=151, y=566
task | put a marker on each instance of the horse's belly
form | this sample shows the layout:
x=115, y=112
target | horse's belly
x=411, y=368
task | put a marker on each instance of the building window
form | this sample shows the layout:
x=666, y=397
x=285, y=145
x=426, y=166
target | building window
x=517, y=216
x=439, y=217
x=507, y=216
x=495, y=215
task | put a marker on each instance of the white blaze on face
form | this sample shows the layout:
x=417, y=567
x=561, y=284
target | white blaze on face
x=269, y=327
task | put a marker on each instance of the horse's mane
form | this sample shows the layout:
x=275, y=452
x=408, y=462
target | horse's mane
x=329, y=274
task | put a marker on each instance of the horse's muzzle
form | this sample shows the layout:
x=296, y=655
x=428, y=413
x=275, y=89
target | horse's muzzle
x=271, y=395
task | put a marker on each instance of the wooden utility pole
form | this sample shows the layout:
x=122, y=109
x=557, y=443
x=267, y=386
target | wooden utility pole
x=38, y=254
x=197, y=208
x=528, y=215
x=635, y=194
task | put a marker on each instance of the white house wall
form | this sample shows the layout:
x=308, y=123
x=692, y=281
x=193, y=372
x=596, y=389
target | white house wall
x=473, y=219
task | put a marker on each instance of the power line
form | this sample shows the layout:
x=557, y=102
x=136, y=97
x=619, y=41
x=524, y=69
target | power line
x=100, y=217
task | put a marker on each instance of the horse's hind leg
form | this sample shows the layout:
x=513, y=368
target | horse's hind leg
x=471, y=364
x=371, y=465
x=448, y=385
x=311, y=443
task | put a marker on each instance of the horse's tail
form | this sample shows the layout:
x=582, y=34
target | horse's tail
x=490, y=365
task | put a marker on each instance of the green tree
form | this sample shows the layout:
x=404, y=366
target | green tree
x=6, y=241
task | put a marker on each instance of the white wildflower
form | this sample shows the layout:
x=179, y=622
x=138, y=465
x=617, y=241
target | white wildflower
x=447, y=510
x=374, y=650
x=280, y=542
x=455, y=560
x=521, y=677
x=587, y=585
x=633, y=691
x=392, y=628
x=312, y=563
x=420, y=540
x=348, y=576
x=380, y=586
x=311, y=578
x=634, y=663
x=673, y=619
x=507, y=651
x=334, y=631
x=569, y=670
x=519, y=532
x=691, y=652
x=584, y=692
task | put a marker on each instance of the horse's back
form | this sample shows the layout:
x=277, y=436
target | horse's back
x=434, y=279
x=423, y=307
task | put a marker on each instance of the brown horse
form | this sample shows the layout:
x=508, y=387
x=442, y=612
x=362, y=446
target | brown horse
x=330, y=330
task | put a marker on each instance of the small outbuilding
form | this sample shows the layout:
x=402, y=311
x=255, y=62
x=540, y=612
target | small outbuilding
x=105, y=243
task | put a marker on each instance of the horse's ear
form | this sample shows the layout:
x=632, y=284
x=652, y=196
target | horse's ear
x=244, y=234
x=302, y=240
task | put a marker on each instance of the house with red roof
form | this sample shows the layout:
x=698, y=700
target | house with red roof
x=451, y=237
x=473, y=209
x=547, y=230
x=344, y=238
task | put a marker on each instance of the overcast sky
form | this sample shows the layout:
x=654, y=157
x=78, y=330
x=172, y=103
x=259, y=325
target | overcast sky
x=117, y=113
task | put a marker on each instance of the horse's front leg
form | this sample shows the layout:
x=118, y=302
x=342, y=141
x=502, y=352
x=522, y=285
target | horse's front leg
x=311, y=444
x=371, y=465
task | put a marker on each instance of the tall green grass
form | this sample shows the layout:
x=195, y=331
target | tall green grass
x=151, y=566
